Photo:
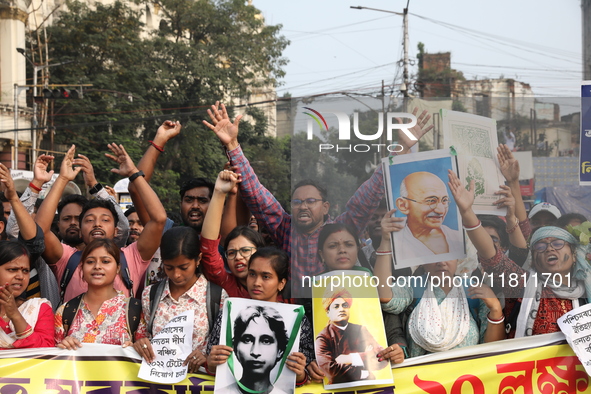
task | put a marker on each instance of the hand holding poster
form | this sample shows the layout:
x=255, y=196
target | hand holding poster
x=416, y=185
x=262, y=335
x=475, y=140
x=585, y=147
x=576, y=326
x=172, y=346
x=346, y=351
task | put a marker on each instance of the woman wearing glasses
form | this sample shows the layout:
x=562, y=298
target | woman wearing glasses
x=559, y=280
x=239, y=245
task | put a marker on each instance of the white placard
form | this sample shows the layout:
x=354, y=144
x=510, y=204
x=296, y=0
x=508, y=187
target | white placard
x=576, y=326
x=172, y=345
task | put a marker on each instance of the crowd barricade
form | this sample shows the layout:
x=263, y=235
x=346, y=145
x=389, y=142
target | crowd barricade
x=541, y=364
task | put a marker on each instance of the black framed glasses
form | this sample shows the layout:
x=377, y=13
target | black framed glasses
x=432, y=202
x=245, y=252
x=310, y=202
x=557, y=244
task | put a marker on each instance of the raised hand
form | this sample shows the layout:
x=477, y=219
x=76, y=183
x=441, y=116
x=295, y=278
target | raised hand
x=167, y=131
x=418, y=130
x=390, y=224
x=120, y=156
x=111, y=191
x=67, y=171
x=463, y=198
x=509, y=165
x=226, y=181
x=222, y=126
x=40, y=172
x=87, y=170
x=8, y=183
x=507, y=200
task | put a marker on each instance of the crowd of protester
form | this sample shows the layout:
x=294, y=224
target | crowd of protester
x=71, y=278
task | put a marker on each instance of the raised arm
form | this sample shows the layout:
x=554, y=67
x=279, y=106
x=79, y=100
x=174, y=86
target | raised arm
x=27, y=226
x=366, y=199
x=149, y=240
x=44, y=218
x=260, y=201
x=515, y=235
x=464, y=200
x=40, y=177
x=510, y=169
x=225, y=182
x=167, y=131
x=383, y=266
x=236, y=212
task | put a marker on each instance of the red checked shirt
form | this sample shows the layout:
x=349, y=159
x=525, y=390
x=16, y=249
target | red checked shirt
x=303, y=248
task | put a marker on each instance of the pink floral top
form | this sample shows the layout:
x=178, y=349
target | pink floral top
x=108, y=327
x=195, y=298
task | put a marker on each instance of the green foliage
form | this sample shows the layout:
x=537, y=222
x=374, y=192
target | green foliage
x=582, y=232
x=203, y=51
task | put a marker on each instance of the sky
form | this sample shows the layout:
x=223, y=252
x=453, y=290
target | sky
x=335, y=48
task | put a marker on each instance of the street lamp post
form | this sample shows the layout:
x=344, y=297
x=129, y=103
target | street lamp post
x=404, y=14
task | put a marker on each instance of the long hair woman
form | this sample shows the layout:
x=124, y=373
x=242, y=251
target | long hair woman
x=101, y=314
x=184, y=288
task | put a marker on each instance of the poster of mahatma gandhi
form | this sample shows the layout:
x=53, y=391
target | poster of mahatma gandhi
x=474, y=138
x=262, y=335
x=416, y=186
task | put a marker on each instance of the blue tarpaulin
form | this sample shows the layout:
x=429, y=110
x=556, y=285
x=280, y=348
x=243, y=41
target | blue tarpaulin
x=568, y=198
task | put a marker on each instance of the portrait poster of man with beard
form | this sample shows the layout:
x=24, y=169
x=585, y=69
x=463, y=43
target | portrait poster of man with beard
x=417, y=189
x=350, y=339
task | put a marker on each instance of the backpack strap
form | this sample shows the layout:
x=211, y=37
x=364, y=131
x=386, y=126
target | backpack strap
x=70, y=311
x=363, y=260
x=133, y=316
x=214, y=297
x=125, y=273
x=155, y=294
x=74, y=261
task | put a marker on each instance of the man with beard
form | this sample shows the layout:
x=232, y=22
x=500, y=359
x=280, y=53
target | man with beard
x=195, y=193
x=195, y=197
x=98, y=219
x=68, y=220
x=309, y=202
x=346, y=352
x=135, y=225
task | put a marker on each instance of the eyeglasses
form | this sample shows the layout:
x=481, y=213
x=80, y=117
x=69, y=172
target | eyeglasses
x=310, y=202
x=432, y=202
x=245, y=252
x=557, y=244
x=495, y=239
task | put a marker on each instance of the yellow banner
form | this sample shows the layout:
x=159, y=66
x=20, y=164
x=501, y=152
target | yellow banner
x=536, y=365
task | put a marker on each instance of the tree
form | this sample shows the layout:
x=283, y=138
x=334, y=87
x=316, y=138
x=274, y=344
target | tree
x=203, y=51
